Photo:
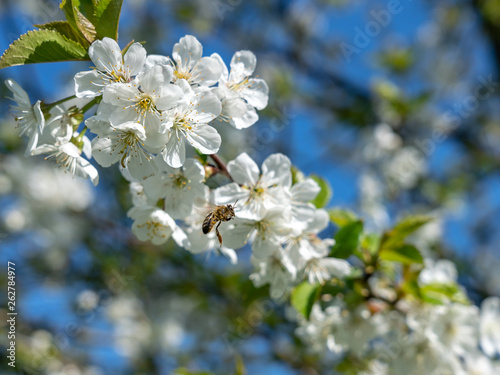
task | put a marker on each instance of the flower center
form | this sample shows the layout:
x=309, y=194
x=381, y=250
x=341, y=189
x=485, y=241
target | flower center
x=117, y=75
x=180, y=181
x=153, y=229
x=183, y=122
x=262, y=227
x=183, y=75
x=146, y=104
x=238, y=86
x=128, y=141
x=256, y=191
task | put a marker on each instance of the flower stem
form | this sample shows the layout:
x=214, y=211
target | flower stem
x=89, y=105
x=51, y=105
x=221, y=165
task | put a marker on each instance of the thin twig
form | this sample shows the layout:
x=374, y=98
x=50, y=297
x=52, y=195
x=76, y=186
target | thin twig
x=221, y=165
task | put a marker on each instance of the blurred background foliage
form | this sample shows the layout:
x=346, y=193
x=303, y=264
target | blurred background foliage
x=403, y=125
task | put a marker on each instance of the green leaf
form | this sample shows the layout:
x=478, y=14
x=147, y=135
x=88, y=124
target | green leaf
x=411, y=287
x=325, y=193
x=396, y=236
x=303, y=297
x=68, y=7
x=240, y=366
x=406, y=254
x=342, y=217
x=347, y=240
x=87, y=7
x=370, y=242
x=297, y=175
x=438, y=293
x=77, y=20
x=64, y=28
x=107, y=17
x=203, y=157
x=86, y=27
x=39, y=46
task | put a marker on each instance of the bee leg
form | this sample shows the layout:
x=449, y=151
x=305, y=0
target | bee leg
x=218, y=234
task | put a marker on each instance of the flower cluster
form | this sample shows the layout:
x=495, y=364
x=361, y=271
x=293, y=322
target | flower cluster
x=51, y=130
x=148, y=105
x=149, y=108
x=413, y=338
x=158, y=118
x=273, y=215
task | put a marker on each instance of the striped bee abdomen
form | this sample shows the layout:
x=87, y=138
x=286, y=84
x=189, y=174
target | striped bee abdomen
x=207, y=223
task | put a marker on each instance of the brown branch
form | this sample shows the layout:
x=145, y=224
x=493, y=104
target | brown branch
x=221, y=166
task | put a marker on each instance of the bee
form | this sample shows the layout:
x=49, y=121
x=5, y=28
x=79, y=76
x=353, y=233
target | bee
x=217, y=216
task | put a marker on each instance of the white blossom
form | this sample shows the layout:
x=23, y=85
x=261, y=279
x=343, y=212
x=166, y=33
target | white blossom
x=155, y=225
x=30, y=119
x=188, y=122
x=68, y=158
x=240, y=94
x=490, y=326
x=455, y=327
x=124, y=144
x=258, y=192
x=273, y=271
x=110, y=67
x=266, y=234
x=189, y=64
x=143, y=101
x=198, y=241
x=179, y=187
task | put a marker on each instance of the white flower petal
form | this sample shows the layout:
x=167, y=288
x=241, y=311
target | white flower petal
x=240, y=114
x=256, y=93
x=236, y=235
x=207, y=107
x=135, y=58
x=193, y=170
x=153, y=60
x=174, y=153
x=20, y=96
x=225, y=72
x=120, y=94
x=32, y=144
x=40, y=118
x=207, y=71
x=187, y=52
x=276, y=169
x=104, y=151
x=153, y=79
x=98, y=126
x=205, y=138
x=305, y=191
x=140, y=165
x=105, y=54
x=88, y=84
x=242, y=65
x=228, y=194
x=244, y=170
x=169, y=96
